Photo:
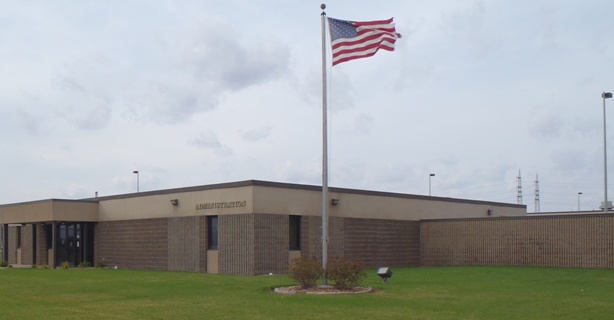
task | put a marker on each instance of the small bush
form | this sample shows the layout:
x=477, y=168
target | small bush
x=84, y=265
x=43, y=266
x=65, y=265
x=4, y=264
x=344, y=273
x=101, y=264
x=306, y=271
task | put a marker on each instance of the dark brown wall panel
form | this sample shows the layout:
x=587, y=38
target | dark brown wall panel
x=133, y=244
x=562, y=241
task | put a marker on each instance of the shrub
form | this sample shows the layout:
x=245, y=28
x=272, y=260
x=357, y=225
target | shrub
x=84, y=264
x=4, y=264
x=43, y=266
x=65, y=265
x=101, y=264
x=306, y=271
x=344, y=273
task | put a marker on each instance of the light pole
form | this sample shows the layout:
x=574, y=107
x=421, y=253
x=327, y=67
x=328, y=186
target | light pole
x=605, y=95
x=579, y=193
x=137, y=180
x=430, y=175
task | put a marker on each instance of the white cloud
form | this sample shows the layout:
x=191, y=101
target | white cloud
x=192, y=92
x=257, y=133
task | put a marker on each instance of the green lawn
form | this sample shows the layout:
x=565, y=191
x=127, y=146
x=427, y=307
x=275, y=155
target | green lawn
x=413, y=293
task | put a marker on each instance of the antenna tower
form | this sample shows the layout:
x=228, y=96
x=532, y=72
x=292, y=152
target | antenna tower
x=518, y=189
x=536, y=193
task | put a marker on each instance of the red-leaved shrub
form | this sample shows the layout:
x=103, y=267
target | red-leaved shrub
x=344, y=273
x=306, y=271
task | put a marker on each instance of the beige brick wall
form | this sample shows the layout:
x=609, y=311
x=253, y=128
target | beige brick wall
x=562, y=241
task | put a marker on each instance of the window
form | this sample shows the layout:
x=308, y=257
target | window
x=212, y=232
x=295, y=232
x=49, y=235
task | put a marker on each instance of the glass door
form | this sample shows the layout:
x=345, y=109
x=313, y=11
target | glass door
x=70, y=243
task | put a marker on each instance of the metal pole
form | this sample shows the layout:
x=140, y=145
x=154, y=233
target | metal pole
x=579, y=193
x=137, y=180
x=430, y=175
x=605, y=95
x=324, y=152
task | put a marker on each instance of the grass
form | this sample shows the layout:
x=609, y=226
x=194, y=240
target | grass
x=413, y=293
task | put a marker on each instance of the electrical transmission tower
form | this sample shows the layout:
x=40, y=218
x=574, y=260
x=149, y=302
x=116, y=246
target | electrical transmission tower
x=518, y=189
x=536, y=193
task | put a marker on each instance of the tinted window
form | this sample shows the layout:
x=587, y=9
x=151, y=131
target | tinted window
x=295, y=232
x=212, y=232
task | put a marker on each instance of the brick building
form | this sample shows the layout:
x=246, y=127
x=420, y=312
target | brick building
x=249, y=227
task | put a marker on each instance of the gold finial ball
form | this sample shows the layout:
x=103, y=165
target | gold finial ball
x=322, y=6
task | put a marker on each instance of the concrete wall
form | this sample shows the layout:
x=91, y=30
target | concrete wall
x=585, y=241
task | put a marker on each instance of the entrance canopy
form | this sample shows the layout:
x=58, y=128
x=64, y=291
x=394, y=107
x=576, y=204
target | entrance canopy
x=49, y=211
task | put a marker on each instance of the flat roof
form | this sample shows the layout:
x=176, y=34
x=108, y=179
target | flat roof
x=247, y=183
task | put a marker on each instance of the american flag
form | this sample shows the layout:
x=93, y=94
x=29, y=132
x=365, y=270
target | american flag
x=354, y=40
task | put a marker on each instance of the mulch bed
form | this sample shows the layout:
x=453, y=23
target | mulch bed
x=321, y=290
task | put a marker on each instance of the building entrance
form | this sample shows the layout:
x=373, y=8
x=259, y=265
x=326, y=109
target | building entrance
x=74, y=243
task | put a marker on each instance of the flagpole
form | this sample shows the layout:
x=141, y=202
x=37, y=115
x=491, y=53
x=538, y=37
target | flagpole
x=324, y=152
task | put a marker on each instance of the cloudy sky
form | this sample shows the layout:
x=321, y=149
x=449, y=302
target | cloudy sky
x=199, y=92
